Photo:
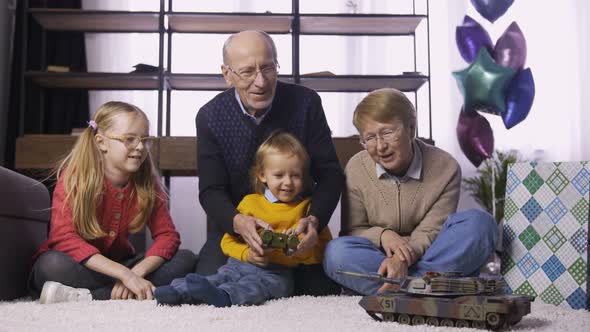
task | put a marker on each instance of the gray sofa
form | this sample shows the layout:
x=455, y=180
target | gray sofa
x=24, y=217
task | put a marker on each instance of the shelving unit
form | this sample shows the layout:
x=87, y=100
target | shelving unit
x=167, y=22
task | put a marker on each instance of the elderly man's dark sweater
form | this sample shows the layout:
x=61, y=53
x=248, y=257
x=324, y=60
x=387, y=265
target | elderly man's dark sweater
x=227, y=141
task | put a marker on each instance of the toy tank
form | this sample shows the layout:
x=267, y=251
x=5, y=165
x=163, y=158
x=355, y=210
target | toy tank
x=270, y=239
x=444, y=299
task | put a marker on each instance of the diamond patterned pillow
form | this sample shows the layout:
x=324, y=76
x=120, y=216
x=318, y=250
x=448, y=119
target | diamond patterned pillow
x=546, y=232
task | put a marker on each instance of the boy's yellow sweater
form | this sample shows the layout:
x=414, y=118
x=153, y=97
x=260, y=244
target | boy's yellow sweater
x=280, y=216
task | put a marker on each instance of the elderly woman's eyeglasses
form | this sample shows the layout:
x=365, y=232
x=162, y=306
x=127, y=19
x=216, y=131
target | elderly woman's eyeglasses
x=132, y=141
x=389, y=136
x=250, y=74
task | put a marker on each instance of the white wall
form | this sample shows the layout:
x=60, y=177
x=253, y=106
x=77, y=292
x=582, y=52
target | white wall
x=582, y=12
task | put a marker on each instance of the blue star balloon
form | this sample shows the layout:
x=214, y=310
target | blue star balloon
x=483, y=84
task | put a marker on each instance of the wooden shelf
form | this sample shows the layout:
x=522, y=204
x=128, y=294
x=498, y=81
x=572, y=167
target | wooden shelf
x=363, y=83
x=176, y=155
x=42, y=151
x=228, y=23
x=127, y=21
x=215, y=82
x=196, y=82
x=96, y=20
x=204, y=81
x=94, y=81
x=359, y=24
x=331, y=83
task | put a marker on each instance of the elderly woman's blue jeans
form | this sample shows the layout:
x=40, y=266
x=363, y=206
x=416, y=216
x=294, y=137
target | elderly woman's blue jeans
x=464, y=244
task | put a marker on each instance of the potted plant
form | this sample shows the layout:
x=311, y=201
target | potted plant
x=480, y=186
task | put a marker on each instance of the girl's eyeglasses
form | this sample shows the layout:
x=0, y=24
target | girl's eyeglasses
x=132, y=141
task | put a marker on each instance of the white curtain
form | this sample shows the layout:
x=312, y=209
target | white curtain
x=557, y=41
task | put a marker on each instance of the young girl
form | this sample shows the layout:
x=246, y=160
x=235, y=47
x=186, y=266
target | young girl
x=279, y=176
x=107, y=189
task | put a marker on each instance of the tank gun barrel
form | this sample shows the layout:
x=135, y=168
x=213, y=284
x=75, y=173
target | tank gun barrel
x=374, y=277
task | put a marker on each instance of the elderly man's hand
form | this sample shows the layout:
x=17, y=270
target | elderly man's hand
x=260, y=260
x=392, y=267
x=308, y=229
x=247, y=227
x=392, y=244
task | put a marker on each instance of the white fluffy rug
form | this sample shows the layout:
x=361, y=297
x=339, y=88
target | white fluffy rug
x=334, y=313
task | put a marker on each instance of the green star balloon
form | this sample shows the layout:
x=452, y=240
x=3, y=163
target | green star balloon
x=483, y=84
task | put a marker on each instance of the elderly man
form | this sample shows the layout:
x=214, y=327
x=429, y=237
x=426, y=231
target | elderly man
x=230, y=128
x=398, y=208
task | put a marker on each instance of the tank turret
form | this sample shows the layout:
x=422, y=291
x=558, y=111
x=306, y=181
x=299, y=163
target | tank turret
x=288, y=243
x=445, y=299
x=439, y=283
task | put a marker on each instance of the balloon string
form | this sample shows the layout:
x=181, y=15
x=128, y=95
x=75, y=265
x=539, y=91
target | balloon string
x=494, y=188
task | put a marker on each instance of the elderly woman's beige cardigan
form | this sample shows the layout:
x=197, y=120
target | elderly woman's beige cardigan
x=413, y=208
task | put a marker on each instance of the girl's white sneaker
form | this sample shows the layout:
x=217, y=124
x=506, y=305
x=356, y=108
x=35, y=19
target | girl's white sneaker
x=54, y=292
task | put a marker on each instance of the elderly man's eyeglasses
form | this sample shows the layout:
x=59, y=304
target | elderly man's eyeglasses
x=249, y=74
x=132, y=141
x=389, y=136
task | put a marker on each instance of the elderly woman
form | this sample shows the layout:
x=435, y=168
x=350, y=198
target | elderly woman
x=398, y=210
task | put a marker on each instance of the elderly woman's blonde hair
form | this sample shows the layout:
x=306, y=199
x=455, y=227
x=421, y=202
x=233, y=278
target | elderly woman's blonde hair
x=385, y=106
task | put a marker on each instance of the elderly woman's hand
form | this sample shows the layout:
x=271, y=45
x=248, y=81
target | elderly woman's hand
x=392, y=244
x=392, y=267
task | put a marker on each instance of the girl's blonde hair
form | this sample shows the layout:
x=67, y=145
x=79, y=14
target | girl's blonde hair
x=278, y=142
x=83, y=175
x=384, y=106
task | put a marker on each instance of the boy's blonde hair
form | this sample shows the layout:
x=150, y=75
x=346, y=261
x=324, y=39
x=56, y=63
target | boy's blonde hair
x=83, y=176
x=278, y=142
x=385, y=106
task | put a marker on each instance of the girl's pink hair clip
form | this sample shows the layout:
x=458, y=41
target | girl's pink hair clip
x=92, y=124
